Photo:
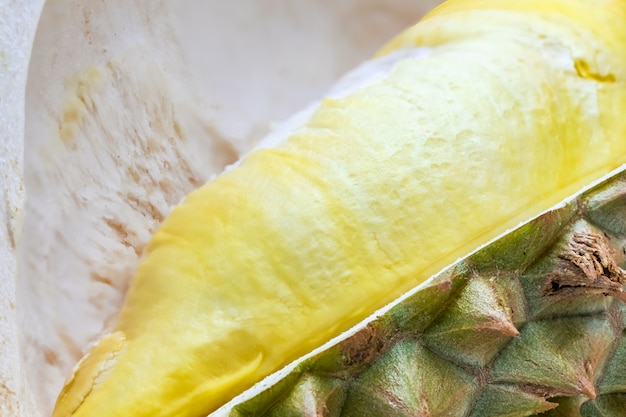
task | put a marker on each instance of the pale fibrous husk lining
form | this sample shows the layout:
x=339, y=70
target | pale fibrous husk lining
x=18, y=21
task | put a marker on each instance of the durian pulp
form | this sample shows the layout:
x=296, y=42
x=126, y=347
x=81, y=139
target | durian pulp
x=379, y=190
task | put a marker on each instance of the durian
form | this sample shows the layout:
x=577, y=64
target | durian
x=367, y=257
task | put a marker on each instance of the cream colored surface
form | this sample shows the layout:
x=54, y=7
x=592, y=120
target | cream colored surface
x=131, y=105
x=380, y=189
x=17, y=29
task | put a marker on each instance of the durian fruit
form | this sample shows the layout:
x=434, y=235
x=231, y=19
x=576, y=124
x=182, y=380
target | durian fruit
x=480, y=117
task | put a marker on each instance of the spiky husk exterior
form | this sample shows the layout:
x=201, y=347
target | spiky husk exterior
x=531, y=324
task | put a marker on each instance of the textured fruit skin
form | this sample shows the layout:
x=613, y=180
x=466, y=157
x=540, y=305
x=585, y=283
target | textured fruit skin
x=491, y=336
x=382, y=188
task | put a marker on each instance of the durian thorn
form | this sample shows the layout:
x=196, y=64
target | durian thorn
x=587, y=388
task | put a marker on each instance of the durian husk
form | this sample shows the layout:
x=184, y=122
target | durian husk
x=99, y=72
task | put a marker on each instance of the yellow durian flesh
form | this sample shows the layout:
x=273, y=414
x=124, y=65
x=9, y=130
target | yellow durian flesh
x=518, y=105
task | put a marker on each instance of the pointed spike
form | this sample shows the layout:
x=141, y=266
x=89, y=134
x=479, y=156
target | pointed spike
x=477, y=323
x=562, y=354
x=586, y=387
x=410, y=380
x=507, y=328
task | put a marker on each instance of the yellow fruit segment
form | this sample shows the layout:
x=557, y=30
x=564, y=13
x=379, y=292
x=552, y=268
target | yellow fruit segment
x=520, y=104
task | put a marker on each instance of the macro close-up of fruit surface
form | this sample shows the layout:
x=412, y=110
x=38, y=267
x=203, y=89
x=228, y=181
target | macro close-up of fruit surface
x=360, y=208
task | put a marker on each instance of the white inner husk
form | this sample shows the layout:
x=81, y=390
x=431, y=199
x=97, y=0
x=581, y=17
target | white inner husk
x=128, y=107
